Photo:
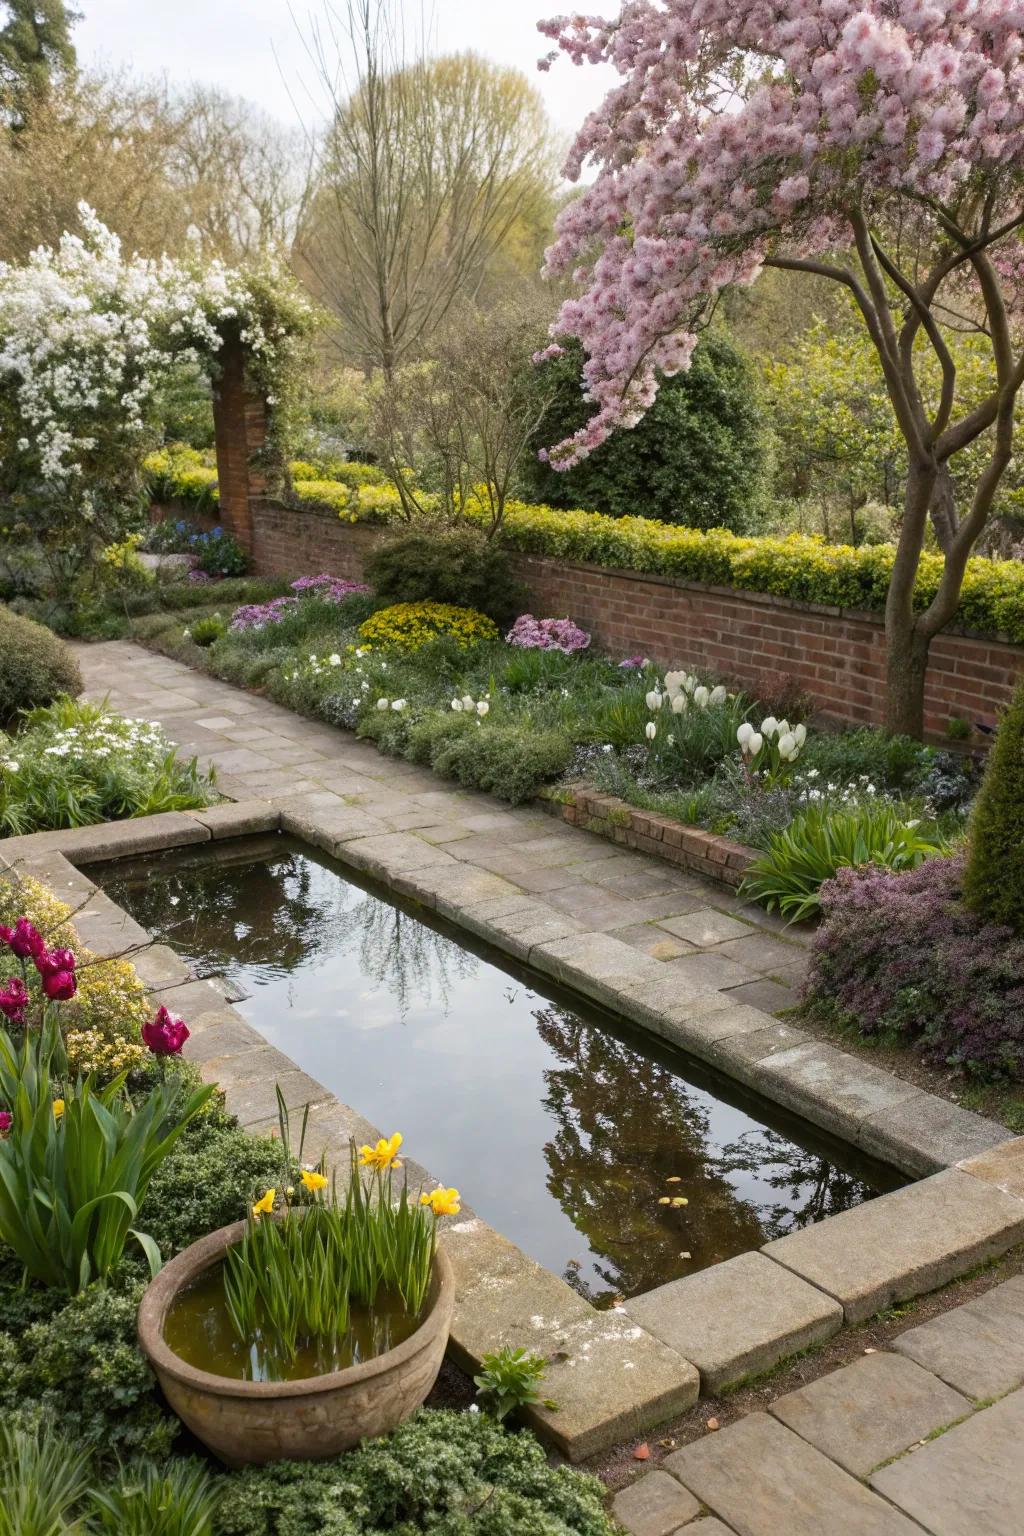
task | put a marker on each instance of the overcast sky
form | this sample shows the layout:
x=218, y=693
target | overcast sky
x=233, y=43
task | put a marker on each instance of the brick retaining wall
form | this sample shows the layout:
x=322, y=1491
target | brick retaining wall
x=838, y=656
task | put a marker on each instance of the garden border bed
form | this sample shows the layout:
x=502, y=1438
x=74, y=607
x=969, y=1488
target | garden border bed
x=615, y=1373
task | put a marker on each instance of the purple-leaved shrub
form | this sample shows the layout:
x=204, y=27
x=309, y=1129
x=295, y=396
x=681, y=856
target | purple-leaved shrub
x=901, y=955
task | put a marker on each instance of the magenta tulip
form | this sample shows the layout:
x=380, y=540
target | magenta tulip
x=164, y=1034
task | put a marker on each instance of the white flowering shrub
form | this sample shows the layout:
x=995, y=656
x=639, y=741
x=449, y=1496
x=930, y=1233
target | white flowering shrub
x=87, y=338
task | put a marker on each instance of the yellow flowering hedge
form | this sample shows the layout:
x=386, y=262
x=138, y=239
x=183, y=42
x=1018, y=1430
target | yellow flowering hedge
x=408, y=626
x=104, y=1019
x=798, y=566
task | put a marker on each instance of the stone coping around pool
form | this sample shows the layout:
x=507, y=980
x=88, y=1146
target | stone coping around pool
x=613, y=1374
x=693, y=848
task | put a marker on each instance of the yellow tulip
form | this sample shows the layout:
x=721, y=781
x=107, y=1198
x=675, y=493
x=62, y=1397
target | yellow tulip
x=384, y=1155
x=443, y=1202
x=265, y=1206
x=58, y=1108
x=313, y=1181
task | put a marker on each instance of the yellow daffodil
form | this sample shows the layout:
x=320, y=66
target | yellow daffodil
x=313, y=1181
x=58, y=1108
x=384, y=1155
x=443, y=1202
x=265, y=1206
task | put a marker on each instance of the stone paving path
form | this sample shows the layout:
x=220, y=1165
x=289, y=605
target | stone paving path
x=707, y=940
x=895, y=1444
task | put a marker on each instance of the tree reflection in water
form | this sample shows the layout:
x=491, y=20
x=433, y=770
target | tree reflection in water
x=275, y=913
x=626, y=1125
x=811, y=1186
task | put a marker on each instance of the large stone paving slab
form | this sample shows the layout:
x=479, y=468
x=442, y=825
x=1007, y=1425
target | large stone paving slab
x=763, y=1480
x=657, y=1505
x=968, y=1482
x=905, y=1243
x=870, y=1411
x=979, y=1347
x=737, y=1318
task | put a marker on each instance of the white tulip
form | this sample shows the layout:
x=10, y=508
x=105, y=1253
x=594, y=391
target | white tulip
x=744, y=734
x=468, y=702
x=702, y=696
x=483, y=707
x=679, y=704
x=784, y=728
x=651, y=730
x=718, y=695
x=398, y=705
x=383, y=703
x=755, y=744
x=689, y=682
x=457, y=706
x=334, y=660
x=674, y=682
x=769, y=726
x=788, y=748
x=654, y=699
x=800, y=732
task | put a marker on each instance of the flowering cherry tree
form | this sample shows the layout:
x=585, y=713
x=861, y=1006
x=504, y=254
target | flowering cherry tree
x=878, y=143
x=87, y=338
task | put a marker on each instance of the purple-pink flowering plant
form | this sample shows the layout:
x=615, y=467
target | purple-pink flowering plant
x=327, y=588
x=547, y=635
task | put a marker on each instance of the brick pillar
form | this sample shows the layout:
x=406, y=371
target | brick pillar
x=240, y=425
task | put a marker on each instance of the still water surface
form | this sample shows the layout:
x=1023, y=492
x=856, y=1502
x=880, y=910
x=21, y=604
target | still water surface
x=561, y=1127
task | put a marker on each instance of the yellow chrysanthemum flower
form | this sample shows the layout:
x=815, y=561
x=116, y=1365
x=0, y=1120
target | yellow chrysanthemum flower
x=384, y=1155
x=443, y=1202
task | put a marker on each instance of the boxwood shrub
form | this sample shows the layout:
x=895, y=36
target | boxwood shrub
x=35, y=667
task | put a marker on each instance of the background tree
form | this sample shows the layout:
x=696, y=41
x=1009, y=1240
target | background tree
x=427, y=170
x=700, y=456
x=35, y=47
x=878, y=144
x=466, y=418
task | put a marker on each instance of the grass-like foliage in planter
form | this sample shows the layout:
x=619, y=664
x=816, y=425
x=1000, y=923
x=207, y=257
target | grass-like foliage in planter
x=35, y=667
x=994, y=876
x=818, y=842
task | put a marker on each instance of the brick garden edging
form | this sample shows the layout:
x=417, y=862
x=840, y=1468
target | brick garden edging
x=614, y=1373
x=702, y=853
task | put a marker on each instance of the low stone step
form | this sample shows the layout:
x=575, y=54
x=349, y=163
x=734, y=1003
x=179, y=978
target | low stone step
x=979, y=1347
x=905, y=1243
x=737, y=1318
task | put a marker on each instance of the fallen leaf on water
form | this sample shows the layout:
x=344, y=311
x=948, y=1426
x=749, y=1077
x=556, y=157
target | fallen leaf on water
x=678, y=1200
x=642, y=1452
x=684, y=1255
x=675, y=1179
x=664, y=1200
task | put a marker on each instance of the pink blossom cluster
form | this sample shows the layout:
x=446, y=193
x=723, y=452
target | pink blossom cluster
x=547, y=634
x=743, y=132
x=259, y=615
x=327, y=588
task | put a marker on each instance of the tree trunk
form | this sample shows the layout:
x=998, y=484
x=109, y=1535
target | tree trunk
x=906, y=666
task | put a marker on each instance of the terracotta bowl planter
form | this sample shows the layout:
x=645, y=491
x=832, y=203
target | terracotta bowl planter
x=253, y=1422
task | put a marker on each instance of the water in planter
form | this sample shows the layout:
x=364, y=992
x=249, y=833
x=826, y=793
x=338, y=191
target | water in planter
x=564, y=1128
x=199, y=1330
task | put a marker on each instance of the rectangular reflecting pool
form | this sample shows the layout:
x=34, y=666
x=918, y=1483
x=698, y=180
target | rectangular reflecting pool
x=562, y=1126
